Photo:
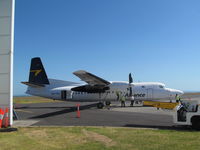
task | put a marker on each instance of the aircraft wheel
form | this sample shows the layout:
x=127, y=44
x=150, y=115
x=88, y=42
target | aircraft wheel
x=108, y=103
x=196, y=122
x=100, y=105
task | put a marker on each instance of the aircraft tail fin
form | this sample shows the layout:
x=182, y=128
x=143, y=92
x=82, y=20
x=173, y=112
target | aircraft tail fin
x=37, y=74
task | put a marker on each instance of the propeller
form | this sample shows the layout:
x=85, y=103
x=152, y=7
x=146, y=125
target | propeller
x=130, y=87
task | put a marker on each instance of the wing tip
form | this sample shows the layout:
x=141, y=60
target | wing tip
x=79, y=72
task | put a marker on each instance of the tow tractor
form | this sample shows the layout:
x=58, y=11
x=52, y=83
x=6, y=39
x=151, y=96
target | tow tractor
x=186, y=112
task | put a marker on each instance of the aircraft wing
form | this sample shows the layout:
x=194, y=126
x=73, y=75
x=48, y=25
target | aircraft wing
x=91, y=79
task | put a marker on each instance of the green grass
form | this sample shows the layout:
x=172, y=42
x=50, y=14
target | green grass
x=32, y=99
x=98, y=138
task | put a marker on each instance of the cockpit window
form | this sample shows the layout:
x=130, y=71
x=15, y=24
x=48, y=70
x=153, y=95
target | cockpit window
x=160, y=86
x=143, y=86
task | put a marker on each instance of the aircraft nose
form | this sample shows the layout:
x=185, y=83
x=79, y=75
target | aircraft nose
x=178, y=92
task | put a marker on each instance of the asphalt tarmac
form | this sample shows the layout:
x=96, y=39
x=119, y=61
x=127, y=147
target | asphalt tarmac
x=64, y=114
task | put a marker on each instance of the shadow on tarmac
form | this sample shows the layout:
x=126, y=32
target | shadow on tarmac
x=174, y=127
x=28, y=107
x=64, y=111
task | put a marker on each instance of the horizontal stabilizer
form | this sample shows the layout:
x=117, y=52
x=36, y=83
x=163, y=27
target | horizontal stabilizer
x=33, y=84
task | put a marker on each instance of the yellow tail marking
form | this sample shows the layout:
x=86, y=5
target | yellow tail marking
x=36, y=71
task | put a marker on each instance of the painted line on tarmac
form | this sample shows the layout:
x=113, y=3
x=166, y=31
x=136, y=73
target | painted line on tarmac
x=21, y=110
x=24, y=123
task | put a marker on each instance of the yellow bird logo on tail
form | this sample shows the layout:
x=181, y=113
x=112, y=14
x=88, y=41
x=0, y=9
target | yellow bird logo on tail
x=36, y=71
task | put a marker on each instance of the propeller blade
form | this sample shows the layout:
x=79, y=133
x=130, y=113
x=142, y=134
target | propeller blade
x=130, y=92
x=130, y=78
x=130, y=87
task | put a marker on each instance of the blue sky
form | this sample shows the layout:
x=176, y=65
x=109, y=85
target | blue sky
x=155, y=40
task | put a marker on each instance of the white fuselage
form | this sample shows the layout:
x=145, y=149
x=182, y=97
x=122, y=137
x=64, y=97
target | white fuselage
x=61, y=90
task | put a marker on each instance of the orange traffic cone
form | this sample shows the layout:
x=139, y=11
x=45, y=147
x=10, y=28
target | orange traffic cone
x=6, y=121
x=1, y=117
x=78, y=114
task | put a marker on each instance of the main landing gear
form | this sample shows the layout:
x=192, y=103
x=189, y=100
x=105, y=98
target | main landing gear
x=100, y=105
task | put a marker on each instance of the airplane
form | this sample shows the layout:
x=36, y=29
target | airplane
x=95, y=89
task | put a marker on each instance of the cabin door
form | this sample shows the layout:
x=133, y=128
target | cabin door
x=64, y=95
x=150, y=94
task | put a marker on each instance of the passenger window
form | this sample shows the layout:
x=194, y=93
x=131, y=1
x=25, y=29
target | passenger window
x=143, y=86
x=161, y=86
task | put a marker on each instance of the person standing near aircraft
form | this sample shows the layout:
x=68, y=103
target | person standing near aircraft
x=123, y=99
x=118, y=95
x=132, y=102
x=178, y=98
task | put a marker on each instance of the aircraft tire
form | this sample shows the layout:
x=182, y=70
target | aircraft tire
x=107, y=103
x=196, y=122
x=100, y=105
